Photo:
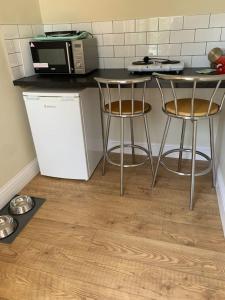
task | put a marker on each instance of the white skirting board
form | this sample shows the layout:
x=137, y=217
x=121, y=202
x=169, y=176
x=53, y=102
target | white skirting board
x=220, y=190
x=18, y=182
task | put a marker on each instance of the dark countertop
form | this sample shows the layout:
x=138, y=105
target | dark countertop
x=87, y=81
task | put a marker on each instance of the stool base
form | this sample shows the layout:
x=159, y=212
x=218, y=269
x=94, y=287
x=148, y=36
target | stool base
x=181, y=150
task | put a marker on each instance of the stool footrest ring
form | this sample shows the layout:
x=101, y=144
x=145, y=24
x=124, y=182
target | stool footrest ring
x=127, y=146
x=178, y=150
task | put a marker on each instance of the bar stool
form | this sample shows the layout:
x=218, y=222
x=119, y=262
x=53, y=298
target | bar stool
x=189, y=109
x=114, y=104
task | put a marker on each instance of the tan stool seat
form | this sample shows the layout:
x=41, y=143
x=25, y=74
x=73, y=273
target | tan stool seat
x=201, y=107
x=126, y=107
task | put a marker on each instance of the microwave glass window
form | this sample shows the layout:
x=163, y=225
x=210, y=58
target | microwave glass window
x=52, y=56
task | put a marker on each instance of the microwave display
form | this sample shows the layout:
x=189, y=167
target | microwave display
x=52, y=56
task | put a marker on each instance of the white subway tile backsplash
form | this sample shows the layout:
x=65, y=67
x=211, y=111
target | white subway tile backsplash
x=158, y=37
x=105, y=51
x=26, y=56
x=199, y=21
x=193, y=49
x=146, y=50
x=48, y=28
x=62, y=27
x=150, y=24
x=17, y=72
x=182, y=36
x=130, y=60
x=12, y=46
x=102, y=27
x=114, y=63
x=200, y=61
x=223, y=34
x=10, y=31
x=135, y=38
x=99, y=38
x=82, y=27
x=15, y=59
x=211, y=45
x=217, y=20
x=38, y=30
x=210, y=34
x=169, y=49
x=186, y=38
x=171, y=23
x=124, y=26
x=113, y=39
x=101, y=64
x=25, y=31
x=186, y=59
x=124, y=51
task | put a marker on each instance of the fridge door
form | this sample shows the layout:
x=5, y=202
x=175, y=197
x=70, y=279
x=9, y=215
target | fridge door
x=57, y=131
x=91, y=115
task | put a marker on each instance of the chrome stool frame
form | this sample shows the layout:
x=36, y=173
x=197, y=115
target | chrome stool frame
x=212, y=109
x=107, y=102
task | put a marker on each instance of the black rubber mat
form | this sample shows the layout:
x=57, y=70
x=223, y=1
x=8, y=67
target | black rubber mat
x=21, y=220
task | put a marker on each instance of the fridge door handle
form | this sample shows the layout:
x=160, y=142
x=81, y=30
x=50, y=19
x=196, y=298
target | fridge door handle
x=49, y=106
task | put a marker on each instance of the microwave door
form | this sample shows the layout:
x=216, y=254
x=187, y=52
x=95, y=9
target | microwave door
x=51, y=57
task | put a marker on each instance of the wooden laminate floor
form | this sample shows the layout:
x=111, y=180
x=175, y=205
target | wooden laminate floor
x=87, y=242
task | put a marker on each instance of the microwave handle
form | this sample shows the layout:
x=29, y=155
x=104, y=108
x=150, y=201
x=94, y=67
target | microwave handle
x=68, y=57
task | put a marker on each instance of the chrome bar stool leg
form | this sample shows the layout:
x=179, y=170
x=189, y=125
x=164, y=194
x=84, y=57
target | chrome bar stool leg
x=103, y=129
x=149, y=144
x=103, y=138
x=211, y=130
x=181, y=145
x=121, y=109
x=132, y=139
x=121, y=155
x=161, y=148
x=106, y=139
x=194, y=136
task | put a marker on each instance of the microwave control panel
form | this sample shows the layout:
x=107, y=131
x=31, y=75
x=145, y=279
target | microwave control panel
x=78, y=56
x=85, y=55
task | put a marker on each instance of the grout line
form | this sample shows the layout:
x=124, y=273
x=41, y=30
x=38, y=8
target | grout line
x=220, y=34
x=170, y=36
x=210, y=15
x=195, y=35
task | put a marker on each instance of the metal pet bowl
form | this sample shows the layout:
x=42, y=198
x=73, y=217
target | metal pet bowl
x=21, y=205
x=7, y=226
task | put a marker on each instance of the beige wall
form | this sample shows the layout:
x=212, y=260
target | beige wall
x=16, y=147
x=58, y=11
x=20, y=12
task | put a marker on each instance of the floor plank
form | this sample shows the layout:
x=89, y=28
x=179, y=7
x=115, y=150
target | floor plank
x=131, y=277
x=87, y=242
x=41, y=285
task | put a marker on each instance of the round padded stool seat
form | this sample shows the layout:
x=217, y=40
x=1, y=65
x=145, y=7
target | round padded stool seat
x=201, y=107
x=126, y=107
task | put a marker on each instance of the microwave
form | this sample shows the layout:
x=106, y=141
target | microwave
x=64, y=57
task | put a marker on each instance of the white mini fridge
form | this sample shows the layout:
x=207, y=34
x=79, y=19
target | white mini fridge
x=66, y=130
